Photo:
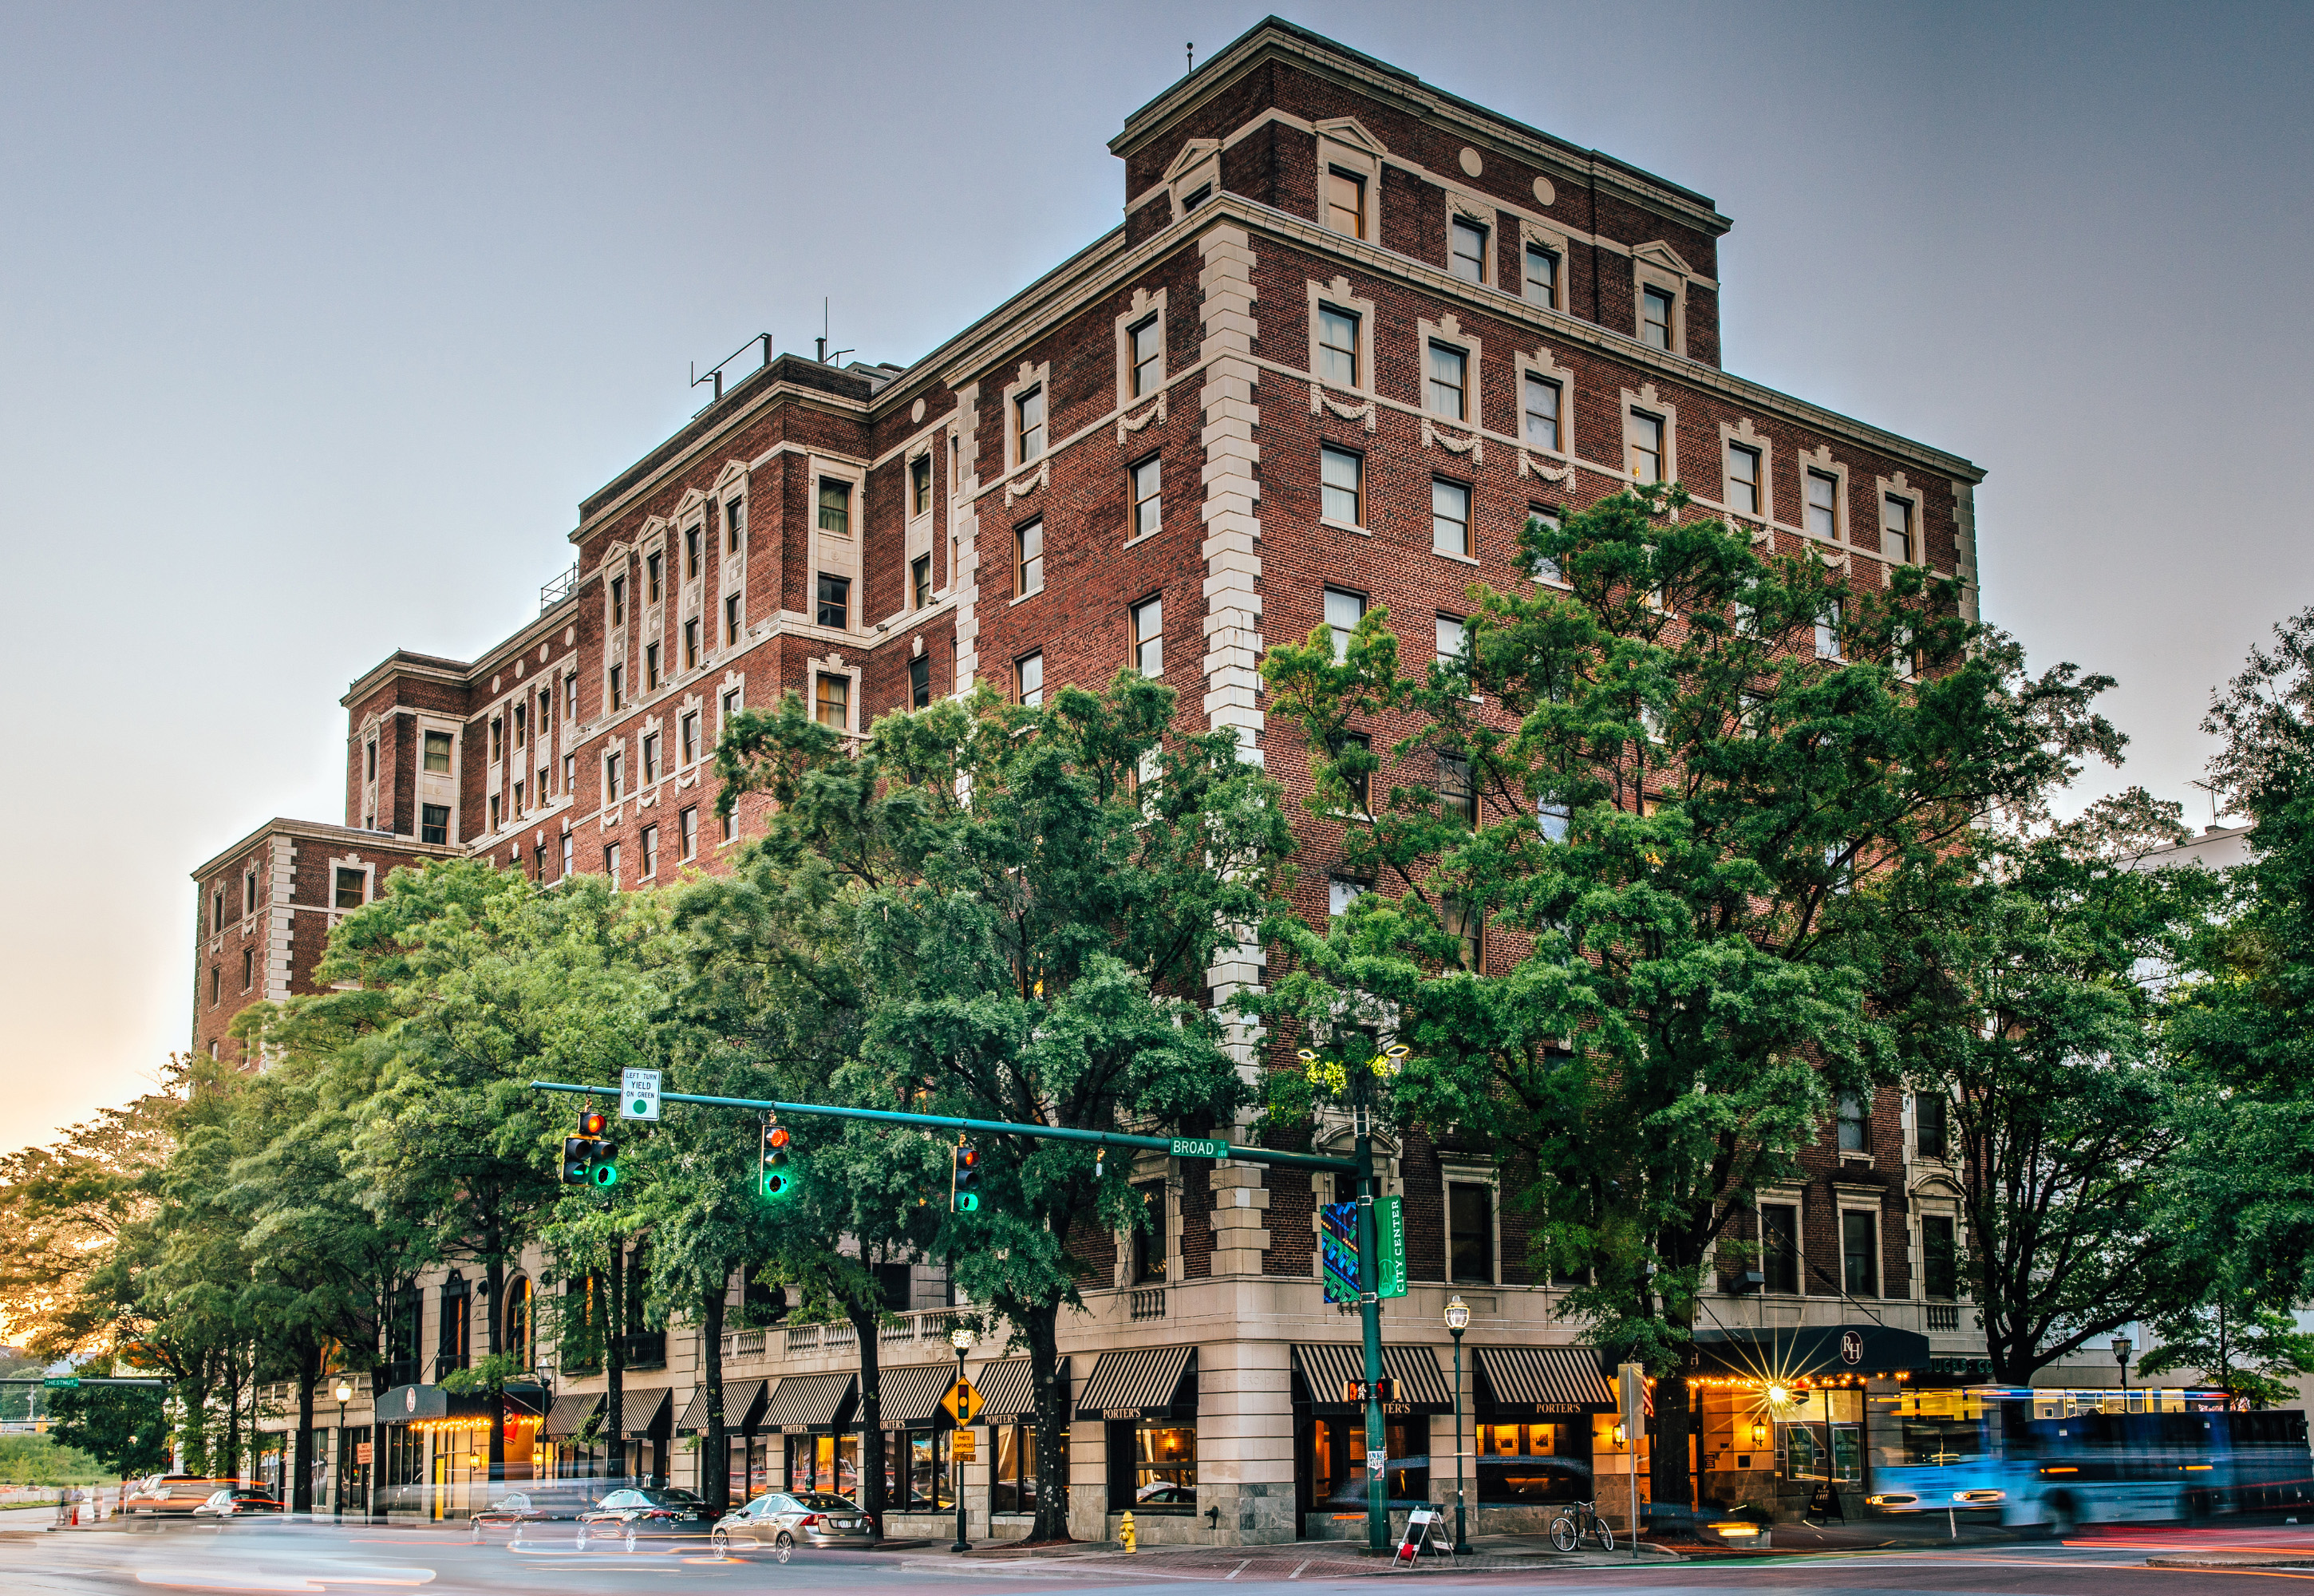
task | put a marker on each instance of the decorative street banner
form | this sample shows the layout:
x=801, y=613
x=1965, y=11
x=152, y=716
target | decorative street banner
x=1390, y=1234
x=1337, y=1246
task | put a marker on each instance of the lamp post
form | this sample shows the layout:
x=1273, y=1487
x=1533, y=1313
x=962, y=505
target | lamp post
x=1458, y=1319
x=344, y=1394
x=2122, y=1347
x=959, y=1338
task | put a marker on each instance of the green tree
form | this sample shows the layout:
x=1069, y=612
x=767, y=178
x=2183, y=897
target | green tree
x=1031, y=897
x=2254, y=1350
x=1673, y=787
x=122, y=1427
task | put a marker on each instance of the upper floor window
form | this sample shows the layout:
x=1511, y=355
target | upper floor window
x=1654, y=318
x=654, y=575
x=835, y=600
x=920, y=680
x=1897, y=527
x=1028, y=679
x=437, y=753
x=1780, y=1247
x=735, y=524
x=1467, y=251
x=1855, y=1124
x=1450, y=516
x=1029, y=559
x=650, y=851
x=1742, y=480
x=618, y=601
x=1929, y=1119
x=350, y=890
x=1541, y=405
x=1028, y=411
x=570, y=696
x=1860, y=1248
x=1346, y=202
x=734, y=619
x=1458, y=795
x=920, y=581
x=1453, y=643
x=1341, y=477
x=615, y=774
x=1466, y=923
x=1647, y=436
x=1939, y=1258
x=1341, y=891
x=689, y=727
x=434, y=822
x=691, y=553
x=369, y=761
x=1823, y=506
x=836, y=506
x=690, y=644
x=1144, y=482
x=1149, y=637
x=832, y=705
x=687, y=833
x=498, y=740
x=1147, y=341
x=1197, y=197
x=920, y=485
x=1337, y=346
x=1542, y=275
x=1827, y=632
x=1448, y=391
x=650, y=667
x=618, y=686
x=652, y=770
x=1344, y=611
x=1546, y=568
x=1470, y=1233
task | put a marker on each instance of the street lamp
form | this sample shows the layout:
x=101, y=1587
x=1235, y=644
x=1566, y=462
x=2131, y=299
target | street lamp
x=2122, y=1347
x=344, y=1394
x=959, y=1338
x=1458, y=1319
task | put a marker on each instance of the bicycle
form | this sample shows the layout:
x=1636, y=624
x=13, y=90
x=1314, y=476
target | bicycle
x=1568, y=1529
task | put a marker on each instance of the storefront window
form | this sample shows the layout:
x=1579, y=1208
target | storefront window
x=1015, y=1482
x=1337, y=1462
x=750, y=1470
x=823, y=1463
x=1153, y=1467
x=1532, y=1463
x=929, y=1478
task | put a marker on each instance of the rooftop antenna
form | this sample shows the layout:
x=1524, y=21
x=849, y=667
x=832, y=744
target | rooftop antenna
x=824, y=357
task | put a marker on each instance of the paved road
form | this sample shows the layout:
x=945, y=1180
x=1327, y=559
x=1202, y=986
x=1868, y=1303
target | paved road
x=379, y=1562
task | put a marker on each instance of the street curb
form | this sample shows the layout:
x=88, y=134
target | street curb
x=2214, y=1562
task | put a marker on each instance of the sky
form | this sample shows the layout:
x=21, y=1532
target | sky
x=316, y=322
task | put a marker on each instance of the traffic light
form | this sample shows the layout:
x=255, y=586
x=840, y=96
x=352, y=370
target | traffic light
x=576, y=1151
x=588, y=1158
x=604, y=1172
x=964, y=1179
x=778, y=1178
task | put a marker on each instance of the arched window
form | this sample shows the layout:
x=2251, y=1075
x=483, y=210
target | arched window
x=518, y=1327
x=457, y=1310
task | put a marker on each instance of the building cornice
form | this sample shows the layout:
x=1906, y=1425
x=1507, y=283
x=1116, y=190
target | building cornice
x=321, y=831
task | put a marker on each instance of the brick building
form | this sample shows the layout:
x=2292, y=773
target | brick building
x=1351, y=332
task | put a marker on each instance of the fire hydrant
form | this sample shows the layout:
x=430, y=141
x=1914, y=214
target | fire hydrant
x=1125, y=1532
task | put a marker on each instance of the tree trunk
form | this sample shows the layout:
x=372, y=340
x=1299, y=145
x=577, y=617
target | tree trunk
x=872, y=1413
x=615, y=1360
x=715, y=1459
x=1668, y=1476
x=301, y=1489
x=1041, y=1323
x=494, y=1284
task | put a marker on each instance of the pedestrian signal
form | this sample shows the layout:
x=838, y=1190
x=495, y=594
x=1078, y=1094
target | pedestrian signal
x=964, y=1184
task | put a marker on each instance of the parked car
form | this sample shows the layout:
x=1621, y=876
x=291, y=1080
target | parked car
x=652, y=1512
x=780, y=1520
x=238, y=1501
x=538, y=1503
x=1741, y=1528
x=172, y=1495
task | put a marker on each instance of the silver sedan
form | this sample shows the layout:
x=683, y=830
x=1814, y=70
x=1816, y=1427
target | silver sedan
x=780, y=1520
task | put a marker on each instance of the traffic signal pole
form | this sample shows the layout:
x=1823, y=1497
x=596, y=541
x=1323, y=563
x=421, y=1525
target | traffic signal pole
x=1360, y=1167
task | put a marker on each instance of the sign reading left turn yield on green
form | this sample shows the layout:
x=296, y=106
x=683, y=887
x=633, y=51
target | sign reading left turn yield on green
x=638, y=1094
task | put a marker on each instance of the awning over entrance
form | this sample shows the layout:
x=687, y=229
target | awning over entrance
x=1145, y=1382
x=1533, y=1381
x=743, y=1402
x=911, y=1394
x=802, y=1403
x=568, y=1416
x=411, y=1404
x=1322, y=1368
x=643, y=1415
x=1811, y=1351
x=1009, y=1390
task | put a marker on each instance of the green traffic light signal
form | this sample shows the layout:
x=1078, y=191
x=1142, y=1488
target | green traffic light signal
x=775, y=1179
x=603, y=1175
x=964, y=1182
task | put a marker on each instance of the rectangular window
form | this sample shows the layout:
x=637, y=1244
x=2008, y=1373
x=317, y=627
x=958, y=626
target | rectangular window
x=1939, y=1258
x=615, y=772
x=1647, y=436
x=1546, y=568
x=1344, y=743
x=570, y=841
x=691, y=644
x=920, y=680
x=1450, y=517
x=1553, y=820
x=538, y=864
x=730, y=706
x=1346, y=202
x=1470, y=1233
x=1029, y=559
x=1929, y=1125
x=920, y=485
x=835, y=602
x=618, y=601
x=248, y=968
x=832, y=706
x=434, y=822
x=1341, y=891
x=1541, y=413
x=1742, y=480
x=495, y=818
x=1197, y=197
x=522, y=726
x=437, y=753
x=498, y=740
x=611, y=864
x=1827, y=632
x=369, y=761
x=216, y=991
x=1458, y=795
x=1542, y=276
x=217, y=909
x=729, y=824
x=1780, y=1247
x=1149, y=1258
x=650, y=852
x=1337, y=346
x=1448, y=388
x=1149, y=637
x=1143, y=485
x=518, y=805
x=1855, y=1125
x=654, y=571
x=1654, y=321
x=1467, y=251
x=1896, y=528
x=1860, y=1253
x=735, y=524
x=920, y=581
x=1028, y=423
x=1028, y=679
x=1341, y=477
x=689, y=727
x=836, y=506
x=650, y=667
x=1464, y=919
x=1453, y=644
x=1344, y=611
x=618, y=686
x=691, y=535
x=1823, y=506
x=570, y=696
x=1147, y=349
x=570, y=773
x=687, y=833
x=249, y=893
x=734, y=619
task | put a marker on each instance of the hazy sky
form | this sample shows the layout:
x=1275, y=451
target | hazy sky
x=316, y=322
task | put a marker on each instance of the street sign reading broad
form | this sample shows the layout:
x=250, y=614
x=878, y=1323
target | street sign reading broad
x=638, y=1094
x=963, y=1402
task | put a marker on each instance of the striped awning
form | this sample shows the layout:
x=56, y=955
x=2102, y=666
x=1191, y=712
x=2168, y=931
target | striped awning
x=802, y=1403
x=644, y=1414
x=1326, y=1366
x=1531, y=1379
x=1009, y=1390
x=568, y=1416
x=1143, y=1382
x=741, y=1400
x=911, y=1394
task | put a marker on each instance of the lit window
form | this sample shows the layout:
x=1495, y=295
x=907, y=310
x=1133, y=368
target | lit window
x=1654, y=324
x=1742, y=480
x=651, y=772
x=1144, y=482
x=734, y=619
x=1029, y=421
x=1029, y=559
x=1542, y=276
x=920, y=581
x=691, y=644
x=735, y=524
x=1450, y=370
x=1028, y=679
x=1337, y=346
x=832, y=706
x=835, y=602
x=1450, y=517
x=920, y=680
x=1344, y=611
x=687, y=833
x=1542, y=414
x=434, y=822
x=1146, y=344
x=650, y=851
x=836, y=506
x=1458, y=796
x=1149, y=637
x=437, y=753
x=1467, y=251
x=1341, y=476
x=654, y=571
x=1827, y=632
x=351, y=888
x=1823, y=506
x=689, y=728
x=1346, y=202
x=1647, y=436
x=650, y=667
x=919, y=484
x=1897, y=527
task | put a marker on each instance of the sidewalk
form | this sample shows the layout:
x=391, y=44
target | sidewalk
x=1307, y=1559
